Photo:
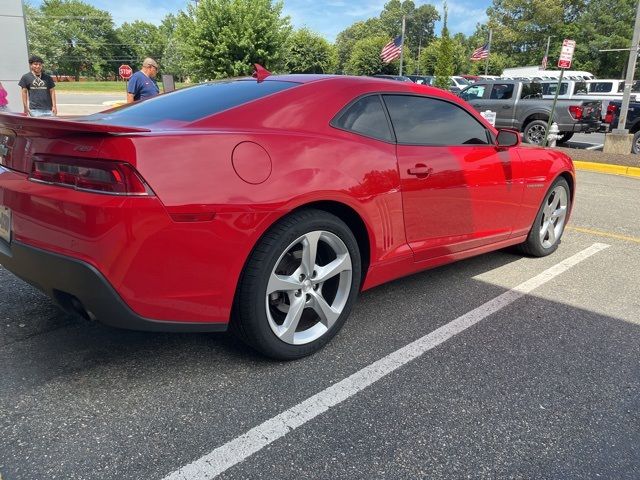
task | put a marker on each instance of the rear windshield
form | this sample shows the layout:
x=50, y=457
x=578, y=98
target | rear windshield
x=190, y=104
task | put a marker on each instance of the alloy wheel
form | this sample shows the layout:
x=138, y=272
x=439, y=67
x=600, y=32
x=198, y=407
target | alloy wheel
x=309, y=287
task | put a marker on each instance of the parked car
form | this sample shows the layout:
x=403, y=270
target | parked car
x=471, y=78
x=266, y=204
x=456, y=84
x=400, y=78
x=422, y=79
x=519, y=105
x=612, y=117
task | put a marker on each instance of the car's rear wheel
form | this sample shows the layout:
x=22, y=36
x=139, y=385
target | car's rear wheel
x=548, y=227
x=298, y=285
x=535, y=131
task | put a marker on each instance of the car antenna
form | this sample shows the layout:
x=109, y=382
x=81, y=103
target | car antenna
x=260, y=73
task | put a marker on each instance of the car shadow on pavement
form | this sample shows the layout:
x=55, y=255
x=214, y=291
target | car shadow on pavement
x=551, y=389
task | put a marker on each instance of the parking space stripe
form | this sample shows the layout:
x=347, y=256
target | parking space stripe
x=238, y=449
x=600, y=233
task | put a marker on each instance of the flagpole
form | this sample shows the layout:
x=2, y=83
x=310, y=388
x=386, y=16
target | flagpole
x=486, y=64
x=402, y=44
x=546, y=54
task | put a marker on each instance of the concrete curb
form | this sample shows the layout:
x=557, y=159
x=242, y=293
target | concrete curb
x=608, y=168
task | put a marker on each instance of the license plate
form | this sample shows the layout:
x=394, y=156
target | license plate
x=5, y=223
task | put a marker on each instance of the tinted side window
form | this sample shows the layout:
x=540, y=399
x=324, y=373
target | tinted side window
x=502, y=91
x=367, y=117
x=428, y=121
x=601, y=87
x=580, y=88
x=531, y=90
x=474, y=92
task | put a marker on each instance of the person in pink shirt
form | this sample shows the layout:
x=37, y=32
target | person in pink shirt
x=3, y=99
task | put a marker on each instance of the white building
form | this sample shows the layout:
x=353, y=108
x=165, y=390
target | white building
x=15, y=57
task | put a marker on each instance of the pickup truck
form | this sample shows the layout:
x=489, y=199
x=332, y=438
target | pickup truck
x=580, y=90
x=633, y=121
x=519, y=105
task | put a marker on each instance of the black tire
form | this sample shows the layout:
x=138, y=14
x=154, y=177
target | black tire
x=566, y=136
x=279, y=254
x=635, y=146
x=534, y=132
x=539, y=244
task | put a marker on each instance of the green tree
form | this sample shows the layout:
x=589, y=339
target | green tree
x=346, y=39
x=604, y=24
x=42, y=38
x=419, y=24
x=226, y=37
x=444, y=63
x=520, y=29
x=141, y=39
x=308, y=52
x=75, y=37
x=365, y=58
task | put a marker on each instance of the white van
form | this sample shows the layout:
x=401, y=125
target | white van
x=610, y=87
x=535, y=73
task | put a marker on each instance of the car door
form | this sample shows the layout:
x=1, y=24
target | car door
x=459, y=191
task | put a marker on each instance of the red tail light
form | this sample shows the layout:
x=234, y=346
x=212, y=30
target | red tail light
x=99, y=176
x=576, y=112
x=611, y=112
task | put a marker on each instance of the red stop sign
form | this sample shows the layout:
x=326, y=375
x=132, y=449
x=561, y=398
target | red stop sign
x=125, y=71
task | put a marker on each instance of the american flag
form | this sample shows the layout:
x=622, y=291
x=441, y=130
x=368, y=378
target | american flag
x=480, y=53
x=391, y=50
x=544, y=62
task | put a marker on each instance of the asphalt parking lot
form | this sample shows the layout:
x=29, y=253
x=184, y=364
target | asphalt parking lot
x=523, y=368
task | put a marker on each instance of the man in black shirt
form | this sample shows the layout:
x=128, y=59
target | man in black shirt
x=38, y=94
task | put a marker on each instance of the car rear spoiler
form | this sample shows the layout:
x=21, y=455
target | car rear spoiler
x=59, y=126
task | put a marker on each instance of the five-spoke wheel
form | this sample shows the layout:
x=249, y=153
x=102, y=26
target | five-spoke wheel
x=544, y=236
x=298, y=285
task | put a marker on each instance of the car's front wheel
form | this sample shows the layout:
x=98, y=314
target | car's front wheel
x=298, y=285
x=548, y=227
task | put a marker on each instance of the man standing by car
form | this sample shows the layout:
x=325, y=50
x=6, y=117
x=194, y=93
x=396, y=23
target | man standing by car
x=38, y=90
x=142, y=84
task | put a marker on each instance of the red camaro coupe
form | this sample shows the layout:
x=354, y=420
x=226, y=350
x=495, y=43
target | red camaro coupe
x=265, y=205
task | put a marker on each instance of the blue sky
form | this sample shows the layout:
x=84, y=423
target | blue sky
x=326, y=17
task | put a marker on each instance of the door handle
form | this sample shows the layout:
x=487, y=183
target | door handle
x=420, y=171
x=506, y=107
x=476, y=105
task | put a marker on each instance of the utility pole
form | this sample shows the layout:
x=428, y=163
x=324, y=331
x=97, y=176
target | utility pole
x=546, y=53
x=631, y=69
x=486, y=63
x=402, y=43
x=619, y=140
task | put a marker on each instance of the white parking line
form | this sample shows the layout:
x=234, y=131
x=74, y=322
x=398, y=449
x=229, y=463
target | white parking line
x=595, y=147
x=236, y=450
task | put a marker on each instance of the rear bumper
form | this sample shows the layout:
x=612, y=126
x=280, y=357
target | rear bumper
x=586, y=127
x=79, y=287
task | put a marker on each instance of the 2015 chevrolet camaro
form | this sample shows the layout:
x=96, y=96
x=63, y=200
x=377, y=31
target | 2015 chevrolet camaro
x=265, y=204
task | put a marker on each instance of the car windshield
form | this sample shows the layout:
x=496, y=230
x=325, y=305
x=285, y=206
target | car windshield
x=189, y=104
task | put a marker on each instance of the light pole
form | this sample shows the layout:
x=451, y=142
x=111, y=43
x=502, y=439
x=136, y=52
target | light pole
x=619, y=140
x=631, y=68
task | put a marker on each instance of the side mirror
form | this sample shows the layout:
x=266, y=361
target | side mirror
x=508, y=138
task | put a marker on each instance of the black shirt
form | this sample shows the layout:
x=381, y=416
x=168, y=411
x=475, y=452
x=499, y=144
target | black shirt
x=39, y=90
